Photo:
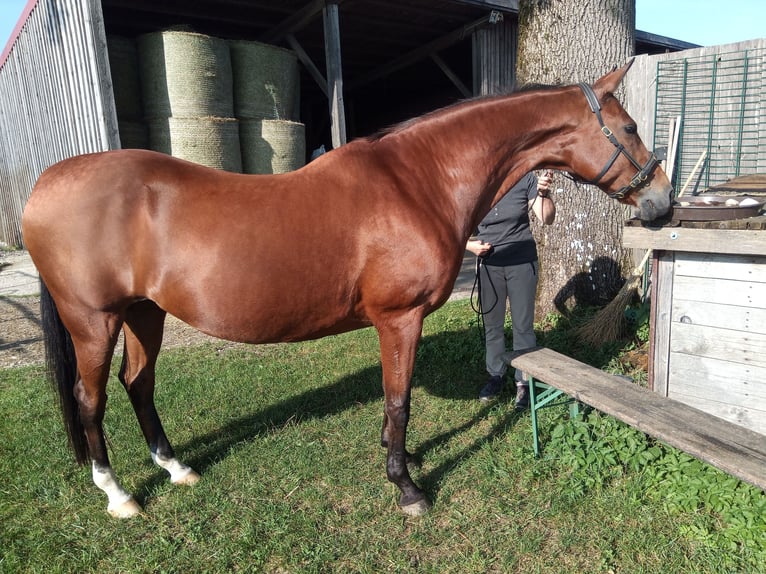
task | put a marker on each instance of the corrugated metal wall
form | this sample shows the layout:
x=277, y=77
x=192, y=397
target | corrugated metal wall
x=56, y=100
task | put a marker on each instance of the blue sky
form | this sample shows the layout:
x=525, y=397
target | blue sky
x=705, y=22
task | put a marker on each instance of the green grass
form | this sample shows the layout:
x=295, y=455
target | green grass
x=286, y=440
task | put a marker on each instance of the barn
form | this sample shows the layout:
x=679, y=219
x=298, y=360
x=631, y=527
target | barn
x=359, y=65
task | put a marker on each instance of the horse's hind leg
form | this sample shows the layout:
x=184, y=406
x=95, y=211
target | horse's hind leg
x=143, y=336
x=94, y=336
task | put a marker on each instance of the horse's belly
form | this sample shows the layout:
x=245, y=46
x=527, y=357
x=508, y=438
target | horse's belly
x=248, y=318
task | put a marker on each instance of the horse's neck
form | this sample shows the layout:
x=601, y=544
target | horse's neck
x=479, y=149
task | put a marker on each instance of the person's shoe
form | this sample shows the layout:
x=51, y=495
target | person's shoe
x=522, y=398
x=492, y=389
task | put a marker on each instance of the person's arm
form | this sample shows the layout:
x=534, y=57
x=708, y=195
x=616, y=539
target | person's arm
x=542, y=205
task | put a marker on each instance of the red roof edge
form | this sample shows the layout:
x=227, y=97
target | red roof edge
x=17, y=30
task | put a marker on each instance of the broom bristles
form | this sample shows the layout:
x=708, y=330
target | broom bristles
x=609, y=323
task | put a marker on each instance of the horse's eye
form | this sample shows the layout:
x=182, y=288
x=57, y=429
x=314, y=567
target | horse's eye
x=631, y=129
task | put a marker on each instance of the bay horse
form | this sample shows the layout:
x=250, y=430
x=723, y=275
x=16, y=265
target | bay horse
x=370, y=234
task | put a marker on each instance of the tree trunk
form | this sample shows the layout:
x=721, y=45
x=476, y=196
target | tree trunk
x=565, y=42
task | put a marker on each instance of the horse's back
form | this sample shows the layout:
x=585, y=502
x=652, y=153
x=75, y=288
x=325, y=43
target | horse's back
x=97, y=220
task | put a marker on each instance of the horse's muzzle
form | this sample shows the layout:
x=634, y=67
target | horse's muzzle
x=653, y=204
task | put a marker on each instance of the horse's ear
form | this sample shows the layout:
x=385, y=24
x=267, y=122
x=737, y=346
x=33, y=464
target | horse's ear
x=608, y=83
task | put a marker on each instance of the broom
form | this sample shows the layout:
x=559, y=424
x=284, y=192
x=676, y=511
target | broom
x=609, y=323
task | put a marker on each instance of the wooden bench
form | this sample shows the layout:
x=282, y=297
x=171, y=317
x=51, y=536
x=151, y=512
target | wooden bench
x=732, y=448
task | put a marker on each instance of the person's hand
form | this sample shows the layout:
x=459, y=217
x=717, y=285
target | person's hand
x=544, y=184
x=478, y=247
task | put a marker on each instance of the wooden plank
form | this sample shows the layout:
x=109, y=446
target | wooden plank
x=757, y=222
x=662, y=298
x=745, y=417
x=334, y=74
x=420, y=53
x=106, y=110
x=739, y=241
x=295, y=22
x=724, y=291
x=734, y=449
x=724, y=344
x=494, y=58
x=738, y=267
x=721, y=315
x=735, y=383
x=453, y=77
x=752, y=183
x=308, y=63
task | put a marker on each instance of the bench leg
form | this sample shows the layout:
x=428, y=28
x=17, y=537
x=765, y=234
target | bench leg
x=533, y=413
x=549, y=396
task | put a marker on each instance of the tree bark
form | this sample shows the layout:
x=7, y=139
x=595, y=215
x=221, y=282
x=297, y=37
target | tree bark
x=565, y=42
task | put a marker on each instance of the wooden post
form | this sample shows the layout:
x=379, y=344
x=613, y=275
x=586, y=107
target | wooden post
x=334, y=74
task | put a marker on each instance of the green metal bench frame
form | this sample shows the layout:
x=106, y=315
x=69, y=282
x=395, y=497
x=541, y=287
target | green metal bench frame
x=547, y=396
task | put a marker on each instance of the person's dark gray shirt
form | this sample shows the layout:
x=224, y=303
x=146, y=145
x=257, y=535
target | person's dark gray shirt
x=506, y=226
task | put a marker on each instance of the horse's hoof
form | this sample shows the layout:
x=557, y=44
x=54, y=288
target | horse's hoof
x=418, y=508
x=187, y=479
x=127, y=509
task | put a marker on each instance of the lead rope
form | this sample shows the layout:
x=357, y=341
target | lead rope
x=476, y=305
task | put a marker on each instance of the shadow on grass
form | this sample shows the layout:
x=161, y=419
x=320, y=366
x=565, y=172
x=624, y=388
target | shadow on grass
x=439, y=370
x=449, y=365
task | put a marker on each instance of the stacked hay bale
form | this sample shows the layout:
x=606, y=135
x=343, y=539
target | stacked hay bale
x=266, y=102
x=186, y=83
x=123, y=62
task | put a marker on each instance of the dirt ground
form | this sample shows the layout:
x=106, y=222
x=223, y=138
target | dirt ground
x=21, y=337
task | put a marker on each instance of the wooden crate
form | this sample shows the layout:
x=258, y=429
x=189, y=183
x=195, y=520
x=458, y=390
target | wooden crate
x=708, y=342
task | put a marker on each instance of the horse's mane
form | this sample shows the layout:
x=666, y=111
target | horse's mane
x=396, y=128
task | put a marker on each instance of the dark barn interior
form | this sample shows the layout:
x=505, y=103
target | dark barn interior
x=388, y=70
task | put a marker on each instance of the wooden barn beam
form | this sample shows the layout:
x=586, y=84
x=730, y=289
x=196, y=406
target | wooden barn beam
x=451, y=75
x=505, y=5
x=308, y=62
x=425, y=51
x=334, y=74
x=295, y=22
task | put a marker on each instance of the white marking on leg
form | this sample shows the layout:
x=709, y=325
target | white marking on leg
x=179, y=472
x=121, y=503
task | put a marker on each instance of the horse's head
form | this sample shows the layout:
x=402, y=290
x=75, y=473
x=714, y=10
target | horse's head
x=616, y=159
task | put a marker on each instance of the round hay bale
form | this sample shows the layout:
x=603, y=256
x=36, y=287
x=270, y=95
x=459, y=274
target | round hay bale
x=272, y=146
x=126, y=86
x=133, y=135
x=266, y=81
x=186, y=75
x=210, y=141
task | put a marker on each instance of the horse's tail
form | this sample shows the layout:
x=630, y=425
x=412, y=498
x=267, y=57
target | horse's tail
x=62, y=370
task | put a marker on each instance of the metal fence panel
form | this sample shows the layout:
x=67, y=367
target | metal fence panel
x=718, y=91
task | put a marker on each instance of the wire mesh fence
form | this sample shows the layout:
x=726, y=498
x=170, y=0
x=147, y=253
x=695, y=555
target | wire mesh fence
x=715, y=102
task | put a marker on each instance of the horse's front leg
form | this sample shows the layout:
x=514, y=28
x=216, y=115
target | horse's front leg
x=399, y=338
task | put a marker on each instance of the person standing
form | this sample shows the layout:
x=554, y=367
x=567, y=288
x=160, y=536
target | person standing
x=507, y=267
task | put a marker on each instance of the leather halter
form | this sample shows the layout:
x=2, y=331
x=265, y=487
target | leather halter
x=638, y=180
